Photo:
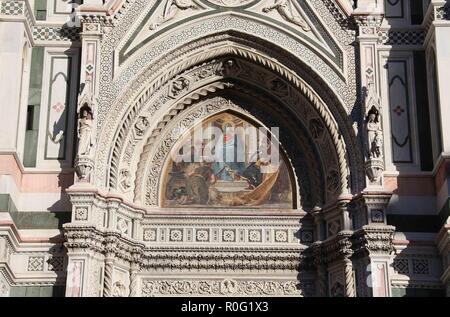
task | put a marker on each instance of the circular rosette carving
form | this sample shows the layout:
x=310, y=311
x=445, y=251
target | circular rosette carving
x=232, y=3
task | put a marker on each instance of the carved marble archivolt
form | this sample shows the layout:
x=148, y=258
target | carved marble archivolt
x=180, y=97
x=179, y=66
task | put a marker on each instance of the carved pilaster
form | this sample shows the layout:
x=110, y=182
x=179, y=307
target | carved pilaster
x=322, y=280
x=349, y=279
x=91, y=35
x=374, y=243
x=370, y=209
x=321, y=269
x=333, y=256
x=368, y=16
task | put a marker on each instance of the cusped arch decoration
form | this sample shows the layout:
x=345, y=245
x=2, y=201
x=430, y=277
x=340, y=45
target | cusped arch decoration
x=340, y=133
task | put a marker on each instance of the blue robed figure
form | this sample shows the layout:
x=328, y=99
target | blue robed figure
x=227, y=165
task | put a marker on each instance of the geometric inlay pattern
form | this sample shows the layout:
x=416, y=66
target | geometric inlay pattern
x=401, y=266
x=401, y=37
x=55, y=263
x=226, y=287
x=12, y=8
x=224, y=235
x=36, y=263
x=421, y=266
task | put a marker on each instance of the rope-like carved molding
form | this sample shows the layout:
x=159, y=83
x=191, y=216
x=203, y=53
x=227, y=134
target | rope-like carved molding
x=267, y=63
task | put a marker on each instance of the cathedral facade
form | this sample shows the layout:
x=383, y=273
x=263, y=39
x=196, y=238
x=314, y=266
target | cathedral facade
x=224, y=148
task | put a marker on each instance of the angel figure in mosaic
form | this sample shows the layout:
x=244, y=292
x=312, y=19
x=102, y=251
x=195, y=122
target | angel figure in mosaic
x=171, y=9
x=284, y=8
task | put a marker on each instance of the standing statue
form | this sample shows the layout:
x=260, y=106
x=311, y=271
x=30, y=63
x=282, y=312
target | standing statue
x=85, y=131
x=284, y=8
x=374, y=134
x=171, y=9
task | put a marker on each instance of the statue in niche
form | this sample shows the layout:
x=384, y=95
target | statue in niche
x=284, y=8
x=171, y=9
x=374, y=134
x=85, y=137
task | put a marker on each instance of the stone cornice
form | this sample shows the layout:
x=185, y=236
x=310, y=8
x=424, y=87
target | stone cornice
x=109, y=243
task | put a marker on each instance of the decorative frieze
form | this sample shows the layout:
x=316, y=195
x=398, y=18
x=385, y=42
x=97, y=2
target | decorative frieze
x=226, y=234
x=36, y=263
x=45, y=263
x=220, y=287
x=401, y=37
x=56, y=34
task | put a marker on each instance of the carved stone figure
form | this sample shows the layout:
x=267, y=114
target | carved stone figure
x=179, y=85
x=171, y=9
x=85, y=131
x=141, y=126
x=125, y=179
x=119, y=290
x=284, y=8
x=377, y=145
x=228, y=287
x=374, y=134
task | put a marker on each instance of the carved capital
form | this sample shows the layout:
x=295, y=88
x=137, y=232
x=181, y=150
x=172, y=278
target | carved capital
x=337, y=248
x=93, y=25
x=369, y=24
x=374, y=240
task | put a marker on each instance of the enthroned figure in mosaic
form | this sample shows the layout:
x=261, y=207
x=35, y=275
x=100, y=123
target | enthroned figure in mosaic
x=225, y=169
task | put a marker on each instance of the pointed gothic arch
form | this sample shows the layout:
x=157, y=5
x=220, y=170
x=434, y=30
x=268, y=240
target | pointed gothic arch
x=308, y=86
